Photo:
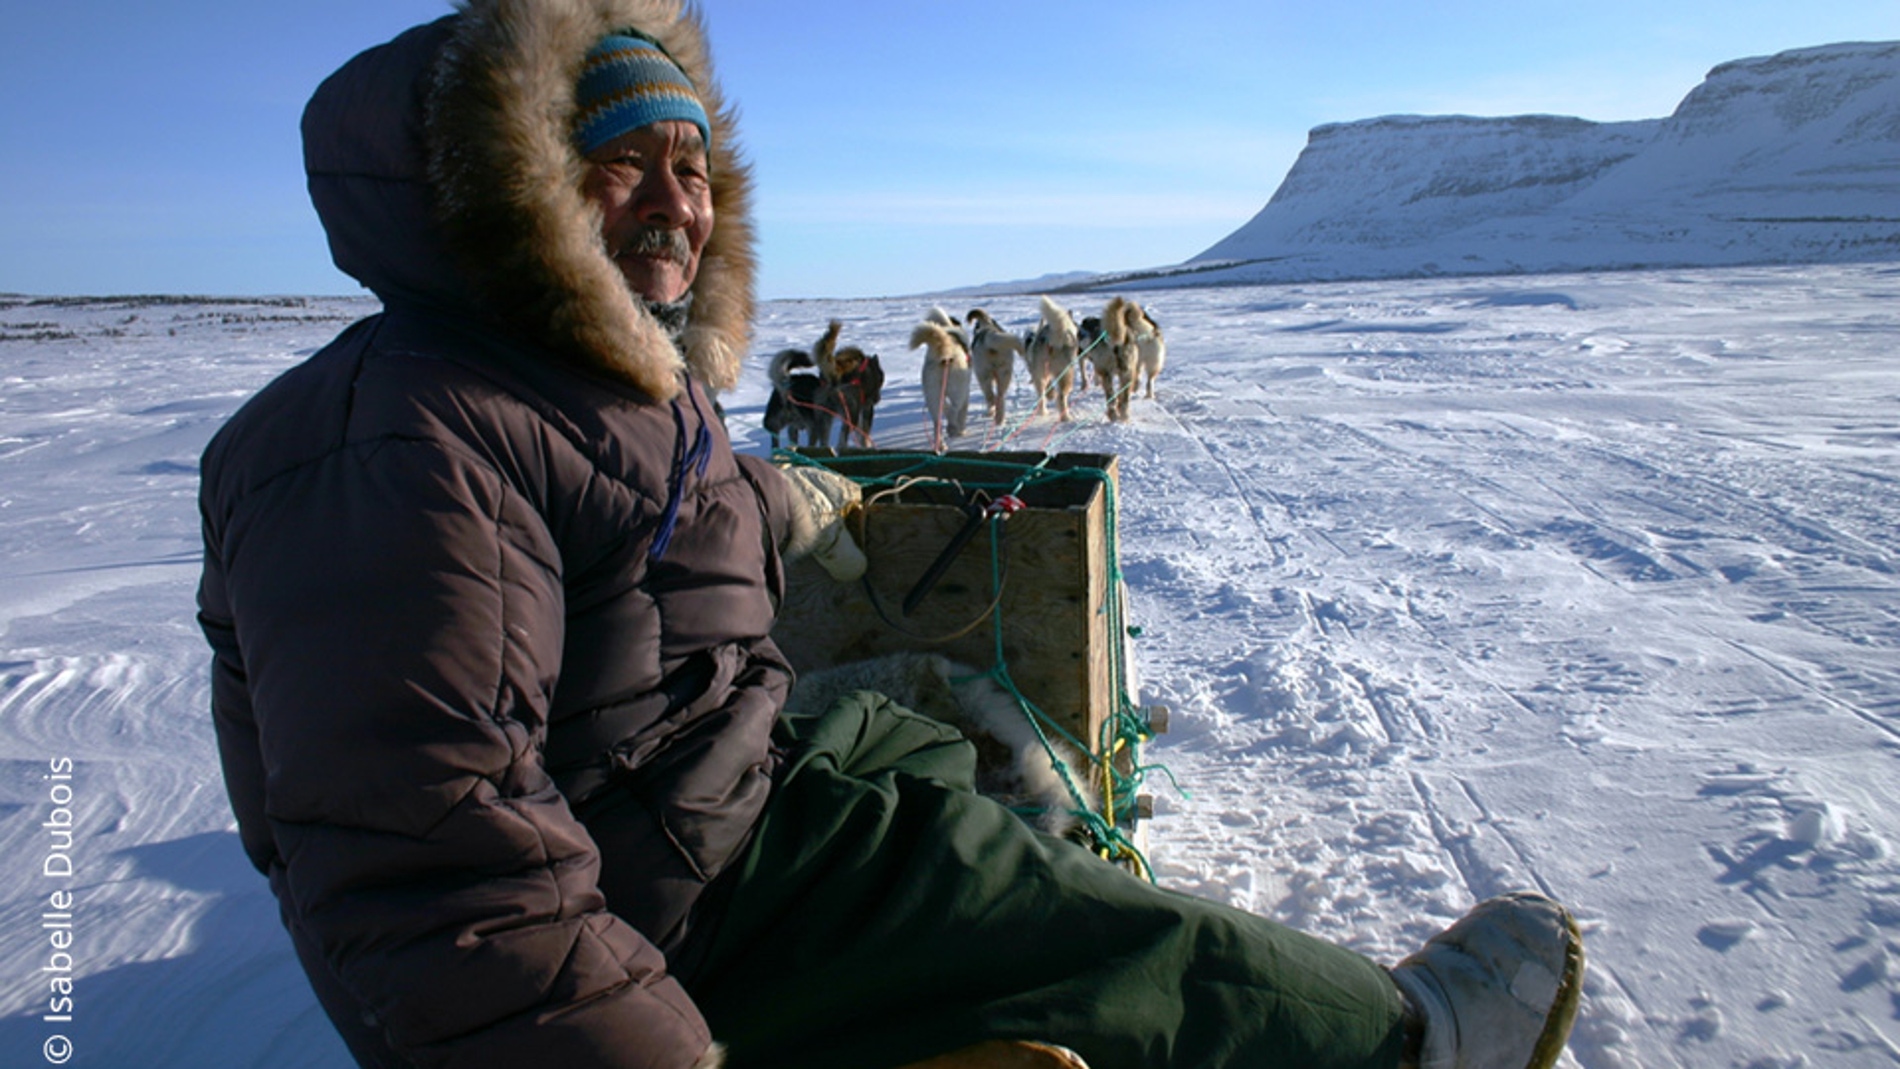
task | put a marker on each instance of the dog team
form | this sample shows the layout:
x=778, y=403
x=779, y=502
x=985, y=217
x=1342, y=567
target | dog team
x=829, y=386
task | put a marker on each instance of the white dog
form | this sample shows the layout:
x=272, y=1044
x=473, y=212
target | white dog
x=946, y=375
x=948, y=322
x=1151, y=349
x=1050, y=354
x=993, y=353
x=1012, y=765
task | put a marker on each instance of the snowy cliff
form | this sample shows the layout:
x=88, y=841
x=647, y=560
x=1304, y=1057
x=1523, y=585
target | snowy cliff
x=1788, y=158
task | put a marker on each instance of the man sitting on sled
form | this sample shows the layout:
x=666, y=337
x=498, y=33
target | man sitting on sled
x=490, y=599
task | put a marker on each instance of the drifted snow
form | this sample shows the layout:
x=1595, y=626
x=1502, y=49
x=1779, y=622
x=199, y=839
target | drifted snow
x=1589, y=583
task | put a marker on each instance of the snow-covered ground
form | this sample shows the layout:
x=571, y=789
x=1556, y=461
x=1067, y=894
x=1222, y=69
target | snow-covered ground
x=1588, y=583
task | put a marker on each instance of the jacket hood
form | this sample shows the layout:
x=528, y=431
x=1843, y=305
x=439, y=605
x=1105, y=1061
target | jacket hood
x=467, y=196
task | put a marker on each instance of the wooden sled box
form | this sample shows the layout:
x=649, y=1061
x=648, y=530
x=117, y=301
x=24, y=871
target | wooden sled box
x=1060, y=641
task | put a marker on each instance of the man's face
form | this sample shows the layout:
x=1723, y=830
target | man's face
x=656, y=206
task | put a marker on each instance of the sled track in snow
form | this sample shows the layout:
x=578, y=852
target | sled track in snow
x=1328, y=624
x=1847, y=678
x=1402, y=719
x=1488, y=859
x=1255, y=512
x=1848, y=606
x=1465, y=831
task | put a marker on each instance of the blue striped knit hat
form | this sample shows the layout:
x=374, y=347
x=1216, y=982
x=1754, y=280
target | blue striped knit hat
x=628, y=81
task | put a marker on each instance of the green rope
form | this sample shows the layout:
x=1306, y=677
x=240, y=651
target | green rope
x=1126, y=728
x=1123, y=730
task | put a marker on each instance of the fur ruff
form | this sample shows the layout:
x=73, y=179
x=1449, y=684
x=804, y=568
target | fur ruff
x=531, y=248
x=1012, y=765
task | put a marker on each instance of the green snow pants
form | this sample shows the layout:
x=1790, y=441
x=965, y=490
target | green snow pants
x=887, y=913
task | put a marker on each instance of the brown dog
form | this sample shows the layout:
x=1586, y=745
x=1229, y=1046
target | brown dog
x=855, y=392
x=1050, y=354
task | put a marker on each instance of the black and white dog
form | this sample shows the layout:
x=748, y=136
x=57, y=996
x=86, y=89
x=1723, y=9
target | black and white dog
x=801, y=400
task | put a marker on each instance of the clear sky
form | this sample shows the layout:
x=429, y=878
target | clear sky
x=900, y=145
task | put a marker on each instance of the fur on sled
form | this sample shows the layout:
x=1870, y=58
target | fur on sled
x=1013, y=766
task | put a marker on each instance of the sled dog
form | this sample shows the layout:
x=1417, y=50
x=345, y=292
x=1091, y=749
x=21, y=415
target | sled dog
x=849, y=380
x=1112, y=354
x=946, y=376
x=949, y=322
x=801, y=400
x=855, y=393
x=1151, y=349
x=824, y=355
x=1012, y=764
x=1050, y=354
x=993, y=353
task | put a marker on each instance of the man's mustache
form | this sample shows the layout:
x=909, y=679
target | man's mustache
x=657, y=242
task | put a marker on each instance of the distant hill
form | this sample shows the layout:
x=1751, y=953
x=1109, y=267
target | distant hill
x=1790, y=158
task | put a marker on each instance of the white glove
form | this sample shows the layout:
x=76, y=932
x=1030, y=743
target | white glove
x=821, y=498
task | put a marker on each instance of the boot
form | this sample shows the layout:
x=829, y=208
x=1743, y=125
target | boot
x=1498, y=989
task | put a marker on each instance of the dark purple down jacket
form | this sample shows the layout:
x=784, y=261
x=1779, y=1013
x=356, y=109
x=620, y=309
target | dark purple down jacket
x=492, y=683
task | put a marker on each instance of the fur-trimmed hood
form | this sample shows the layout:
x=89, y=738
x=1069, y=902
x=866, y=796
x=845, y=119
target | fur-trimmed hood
x=470, y=199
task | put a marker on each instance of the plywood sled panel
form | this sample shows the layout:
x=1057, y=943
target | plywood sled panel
x=1045, y=584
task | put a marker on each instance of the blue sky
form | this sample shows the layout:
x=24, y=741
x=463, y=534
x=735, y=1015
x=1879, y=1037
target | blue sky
x=900, y=147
